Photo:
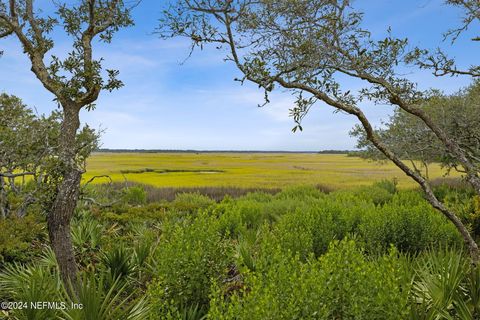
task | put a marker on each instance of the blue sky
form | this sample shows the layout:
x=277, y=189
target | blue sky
x=197, y=105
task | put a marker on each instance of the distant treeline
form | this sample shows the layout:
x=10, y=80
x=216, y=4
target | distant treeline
x=349, y=152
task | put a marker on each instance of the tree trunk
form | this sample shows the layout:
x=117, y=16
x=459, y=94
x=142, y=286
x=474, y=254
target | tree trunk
x=3, y=199
x=63, y=208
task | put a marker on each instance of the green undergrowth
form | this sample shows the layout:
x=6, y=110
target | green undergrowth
x=369, y=253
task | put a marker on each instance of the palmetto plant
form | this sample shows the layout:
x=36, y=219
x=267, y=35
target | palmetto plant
x=104, y=303
x=141, y=252
x=446, y=287
x=41, y=282
x=192, y=312
x=118, y=261
x=247, y=241
x=48, y=258
x=31, y=284
x=86, y=233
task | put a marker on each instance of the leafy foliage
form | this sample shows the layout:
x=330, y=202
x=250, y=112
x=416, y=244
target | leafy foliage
x=446, y=287
x=191, y=202
x=134, y=195
x=410, y=138
x=105, y=303
x=20, y=238
x=189, y=256
x=31, y=284
x=29, y=150
x=341, y=284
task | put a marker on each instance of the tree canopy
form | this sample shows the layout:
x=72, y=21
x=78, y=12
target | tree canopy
x=457, y=114
x=29, y=152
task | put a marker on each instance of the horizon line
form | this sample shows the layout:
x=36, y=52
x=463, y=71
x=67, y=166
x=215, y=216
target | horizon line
x=338, y=151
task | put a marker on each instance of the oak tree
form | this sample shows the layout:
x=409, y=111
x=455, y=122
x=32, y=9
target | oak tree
x=75, y=80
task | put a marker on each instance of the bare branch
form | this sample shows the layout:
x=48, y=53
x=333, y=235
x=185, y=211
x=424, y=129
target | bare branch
x=16, y=175
x=101, y=205
x=98, y=177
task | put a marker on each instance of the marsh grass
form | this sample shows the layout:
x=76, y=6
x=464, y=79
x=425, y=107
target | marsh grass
x=156, y=194
x=245, y=170
x=161, y=171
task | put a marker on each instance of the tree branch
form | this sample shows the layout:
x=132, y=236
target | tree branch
x=16, y=175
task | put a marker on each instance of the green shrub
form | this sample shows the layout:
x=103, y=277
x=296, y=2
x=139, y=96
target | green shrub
x=306, y=232
x=389, y=185
x=118, y=262
x=247, y=247
x=86, y=233
x=251, y=213
x=342, y=284
x=307, y=225
x=125, y=214
x=447, y=186
x=464, y=202
x=191, y=202
x=187, y=258
x=357, y=287
x=30, y=284
x=104, y=302
x=135, y=195
x=299, y=193
x=309, y=230
x=142, y=251
x=411, y=228
x=20, y=238
x=376, y=194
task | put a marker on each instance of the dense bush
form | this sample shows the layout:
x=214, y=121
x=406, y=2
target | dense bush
x=251, y=212
x=406, y=221
x=28, y=284
x=41, y=283
x=410, y=228
x=342, y=284
x=189, y=257
x=21, y=238
x=128, y=214
x=306, y=232
x=191, y=202
x=460, y=196
x=134, y=195
x=376, y=194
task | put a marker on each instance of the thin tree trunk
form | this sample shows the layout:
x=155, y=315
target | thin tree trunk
x=63, y=208
x=3, y=199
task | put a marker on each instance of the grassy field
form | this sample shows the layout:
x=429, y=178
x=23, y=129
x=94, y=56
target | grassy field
x=264, y=170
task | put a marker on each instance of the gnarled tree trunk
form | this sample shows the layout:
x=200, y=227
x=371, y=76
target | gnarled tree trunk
x=63, y=208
